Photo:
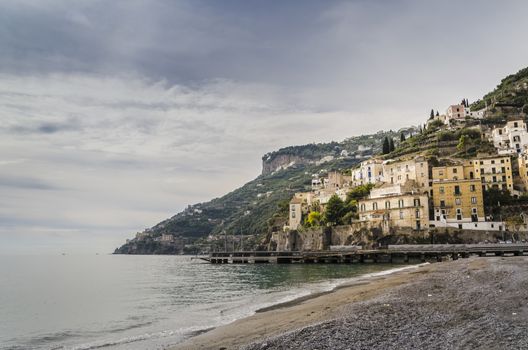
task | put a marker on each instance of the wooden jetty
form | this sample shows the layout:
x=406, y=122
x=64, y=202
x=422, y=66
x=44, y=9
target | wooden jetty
x=391, y=254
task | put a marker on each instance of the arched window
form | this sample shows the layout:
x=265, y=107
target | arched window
x=374, y=206
x=387, y=205
x=362, y=207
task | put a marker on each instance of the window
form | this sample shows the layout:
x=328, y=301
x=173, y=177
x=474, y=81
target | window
x=481, y=171
x=454, y=170
x=481, y=162
x=293, y=215
x=515, y=124
x=362, y=207
x=442, y=190
x=503, y=169
x=401, y=214
x=457, y=201
x=417, y=213
x=472, y=188
x=442, y=203
x=492, y=162
x=493, y=170
x=417, y=202
x=502, y=161
x=374, y=206
x=473, y=200
x=400, y=203
x=387, y=205
x=457, y=190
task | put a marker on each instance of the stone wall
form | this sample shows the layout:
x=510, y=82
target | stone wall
x=369, y=236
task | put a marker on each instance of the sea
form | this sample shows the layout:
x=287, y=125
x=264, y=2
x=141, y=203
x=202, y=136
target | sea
x=144, y=302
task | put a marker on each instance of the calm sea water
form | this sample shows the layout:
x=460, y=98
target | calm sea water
x=141, y=302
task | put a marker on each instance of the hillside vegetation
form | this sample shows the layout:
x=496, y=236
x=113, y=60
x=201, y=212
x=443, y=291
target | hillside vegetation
x=261, y=204
x=511, y=92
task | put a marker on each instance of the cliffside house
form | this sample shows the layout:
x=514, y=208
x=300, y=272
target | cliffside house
x=511, y=138
x=298, y=205
x=167, y=238
x=494, y=172
x=142, y=235
x=368, y=172
x=523, y=167
x=457, y=199
x=399, y=172
x=455, y=112
x=395, y=205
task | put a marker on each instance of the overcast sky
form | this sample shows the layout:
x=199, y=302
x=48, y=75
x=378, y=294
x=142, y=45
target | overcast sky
x=115, y=115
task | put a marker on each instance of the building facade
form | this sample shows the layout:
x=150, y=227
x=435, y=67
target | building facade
x=369, y=172
x=399, y=172
x=511, y=138
x=494, y=172
x=455, y=112
x=396, y=205
x=523, y=167
x=457, y=196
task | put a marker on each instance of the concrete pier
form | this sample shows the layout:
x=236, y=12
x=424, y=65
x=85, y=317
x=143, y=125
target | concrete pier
x=392, y=254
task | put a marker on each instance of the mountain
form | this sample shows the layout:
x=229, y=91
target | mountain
x=261, y=204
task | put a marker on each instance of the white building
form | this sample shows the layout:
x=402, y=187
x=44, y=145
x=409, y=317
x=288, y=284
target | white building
x=369, y=172
x=511, y=138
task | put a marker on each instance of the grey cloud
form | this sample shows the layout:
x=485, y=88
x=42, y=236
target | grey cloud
x=28, y=183
x=46, y=127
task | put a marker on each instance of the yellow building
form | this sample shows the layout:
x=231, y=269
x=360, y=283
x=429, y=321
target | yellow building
x=494, y=172
x=457, y=197
x=523, y=167
x=396, y=205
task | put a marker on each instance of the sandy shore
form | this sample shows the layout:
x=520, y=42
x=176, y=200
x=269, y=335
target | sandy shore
x=469, y=303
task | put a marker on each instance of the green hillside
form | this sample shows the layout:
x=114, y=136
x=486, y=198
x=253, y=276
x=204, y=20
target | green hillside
x=511, y=92
x=259, y=205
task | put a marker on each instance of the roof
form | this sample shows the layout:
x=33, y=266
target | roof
x=296, y=200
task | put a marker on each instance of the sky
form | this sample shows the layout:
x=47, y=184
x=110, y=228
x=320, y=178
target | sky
x=117, y=114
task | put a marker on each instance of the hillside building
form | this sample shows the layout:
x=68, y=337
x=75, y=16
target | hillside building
x=511, y=138
x=455, y=112
x=295, y=213
x=396, y=205
x=399, y=172
x=457, y=199
x=523, y=167
x=369, y=172
x=494, y=172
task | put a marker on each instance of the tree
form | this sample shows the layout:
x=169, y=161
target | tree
x=359, y=192
x=463, y=143
x=314, y=219
x=391, y=144
x=437, y=114
x=402, y=137
x=335, y=210
x=431, y=116
x=386, y=146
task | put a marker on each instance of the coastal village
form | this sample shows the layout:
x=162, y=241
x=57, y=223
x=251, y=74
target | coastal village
x=460, y=177
x=447, y=178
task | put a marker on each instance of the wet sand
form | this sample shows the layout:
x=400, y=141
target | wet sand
x=468, y=303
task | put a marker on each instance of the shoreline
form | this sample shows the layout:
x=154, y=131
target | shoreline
x=241, y=332
x=463, y=304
